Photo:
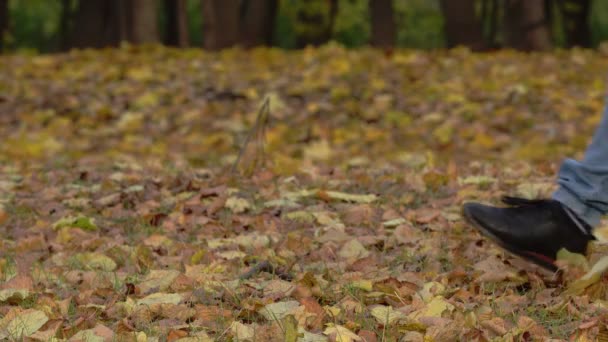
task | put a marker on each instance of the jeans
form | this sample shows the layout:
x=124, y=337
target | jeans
x=583, y=185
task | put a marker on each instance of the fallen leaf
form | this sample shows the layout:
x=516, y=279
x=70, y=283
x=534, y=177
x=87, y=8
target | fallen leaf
x=237, y=205
x=339, y=333
x=353, y=250
x=242, y=332
x=160, y=298
x=95, y=261
x=158, y=279
x=100, y=333
x=345, y=197
x=386, y=315
x=82, y=222
x=22, y=324
x=277, y=311
x=593, y=276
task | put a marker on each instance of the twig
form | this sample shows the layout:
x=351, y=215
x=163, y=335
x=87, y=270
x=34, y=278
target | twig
x=258, y=127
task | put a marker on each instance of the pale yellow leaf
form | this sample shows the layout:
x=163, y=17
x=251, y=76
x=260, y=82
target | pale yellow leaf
x=341, y=333
x=158, y=279
x=342, y=196
x=353, y=249
x=590, y=278
x=276, y=311
x=386, y=315
x=24, y=324
x=242, y=332
x=160, y=298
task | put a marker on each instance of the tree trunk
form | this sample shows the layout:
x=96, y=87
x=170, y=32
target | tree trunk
x=65, y=23
x=3, y=22
x=462, y=27
x=144, y=22
x=257, y=23
x=95, y=25
x=177, y=23
x=124, y=12
x=384, y=32
x=526, y=25
x=220, y=23
x=576, y=25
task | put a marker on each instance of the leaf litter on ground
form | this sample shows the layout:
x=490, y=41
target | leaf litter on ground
x=149, y=193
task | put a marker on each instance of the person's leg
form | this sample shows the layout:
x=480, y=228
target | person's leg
x=584, y=184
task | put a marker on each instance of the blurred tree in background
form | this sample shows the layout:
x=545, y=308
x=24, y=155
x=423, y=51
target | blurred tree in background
x=56, y=25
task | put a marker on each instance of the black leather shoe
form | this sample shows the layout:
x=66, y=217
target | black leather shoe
x=533, y=229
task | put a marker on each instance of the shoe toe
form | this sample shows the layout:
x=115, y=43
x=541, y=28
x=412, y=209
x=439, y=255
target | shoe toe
x=490, y=218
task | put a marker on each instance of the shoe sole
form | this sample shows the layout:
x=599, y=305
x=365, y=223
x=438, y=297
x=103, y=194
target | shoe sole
x=539, y=260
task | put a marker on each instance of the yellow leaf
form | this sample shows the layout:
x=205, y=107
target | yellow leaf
x=394, y=222
x=81, y=221
x=242, y=332
x=435, y=308
x=198, y=256
x=277, y=311
x=386, y=315
x=332, y=311
x=590, y=278
x=229, y=255
x=302, y=216
x=290, y=326
x=17, y=325
x=342, y=196
x=365, y=285
x=318, y=151
x=13, y=295
x=477, y=180
x=160, y=298
x=574, y=259
x=237, y=205
x=341, y=333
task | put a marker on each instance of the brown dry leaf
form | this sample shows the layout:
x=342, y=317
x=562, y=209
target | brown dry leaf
x=243, y=332
x=98, y=333
x=358, y=214
x=49, y=331
x=160, y=280
x=493, y=270
x=3, y=215
x=211, y=313
x=353, y=250
x=312, y=306
x=427, y=215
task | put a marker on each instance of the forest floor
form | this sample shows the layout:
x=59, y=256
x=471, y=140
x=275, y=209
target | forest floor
x=127, y=214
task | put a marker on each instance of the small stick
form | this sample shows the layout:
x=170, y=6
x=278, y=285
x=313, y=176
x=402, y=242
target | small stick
x=259, y=126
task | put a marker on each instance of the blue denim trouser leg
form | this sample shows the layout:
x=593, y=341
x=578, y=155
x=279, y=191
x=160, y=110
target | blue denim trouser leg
x=583, y=185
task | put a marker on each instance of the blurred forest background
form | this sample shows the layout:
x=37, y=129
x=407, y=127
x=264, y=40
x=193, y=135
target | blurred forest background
x=58, y=25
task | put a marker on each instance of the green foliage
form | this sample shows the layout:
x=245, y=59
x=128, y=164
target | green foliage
x=34, y=24
x=598, y=22
x=419, y=24
x=352, y=27
x=195, y=22
x=318, y=9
